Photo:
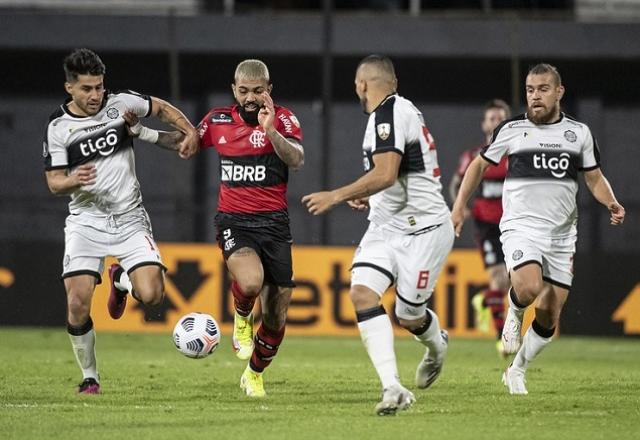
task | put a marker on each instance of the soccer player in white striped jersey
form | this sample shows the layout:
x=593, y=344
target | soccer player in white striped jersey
x=546, y=150
x=410, y=232
x=88, y=155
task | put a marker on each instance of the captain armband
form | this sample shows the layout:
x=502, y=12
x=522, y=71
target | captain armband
x=145, y=133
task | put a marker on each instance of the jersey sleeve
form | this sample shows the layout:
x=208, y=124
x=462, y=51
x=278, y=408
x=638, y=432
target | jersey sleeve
x=390, y=128
x=54, y=152
x=287, y=124
x=205, y=131
x=500, y=144
x=590, y=154
x=137, y=103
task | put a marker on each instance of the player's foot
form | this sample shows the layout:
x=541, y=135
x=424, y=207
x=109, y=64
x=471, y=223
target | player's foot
x=395, y=398
x=117, y=298
x=251, y=383
x=89, y=386
x=500, y=349
x=513, y=379
x=243, y=336
x=430, y=366
x=481, y=312
x=512, y=331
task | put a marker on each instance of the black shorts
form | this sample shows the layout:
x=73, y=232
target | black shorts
x=488, y=240
x=271, y=243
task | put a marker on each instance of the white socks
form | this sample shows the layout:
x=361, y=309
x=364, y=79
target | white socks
x=377, y=336
x=431, y=338
x=532, y=345
x=84, y=347
x=123, y=283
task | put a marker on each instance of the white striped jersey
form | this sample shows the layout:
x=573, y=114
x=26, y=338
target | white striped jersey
x=101, y=139
x=415, y=200
x=539, y=195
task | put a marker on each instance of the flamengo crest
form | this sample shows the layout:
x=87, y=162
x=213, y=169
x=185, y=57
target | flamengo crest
x=257, y=139
x=384, y=130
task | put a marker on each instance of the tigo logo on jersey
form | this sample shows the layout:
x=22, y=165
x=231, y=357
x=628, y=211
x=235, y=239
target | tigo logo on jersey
x=239, y=173
x=558, y=165
x=103, y=145
x=257, y=139
x=384, y=130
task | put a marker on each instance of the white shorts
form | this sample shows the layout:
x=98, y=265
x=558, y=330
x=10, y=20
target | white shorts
x=411, y=262
x=553, y=255
x=89, y=239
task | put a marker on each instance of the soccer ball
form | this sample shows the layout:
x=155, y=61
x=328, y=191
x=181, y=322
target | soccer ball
x=196, y=335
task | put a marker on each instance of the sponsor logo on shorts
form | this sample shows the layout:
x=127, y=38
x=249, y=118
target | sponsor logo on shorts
x=229, y=244
x=517, y=254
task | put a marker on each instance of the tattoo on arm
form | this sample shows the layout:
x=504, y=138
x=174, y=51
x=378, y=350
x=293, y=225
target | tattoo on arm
x=169, y=140
x=288, y=150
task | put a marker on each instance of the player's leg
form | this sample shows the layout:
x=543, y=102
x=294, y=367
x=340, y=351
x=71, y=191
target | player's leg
x=372, y=273
x=140, y=271
x=423, y=257
x=494, y=299
x=240, y=251
x=523, y=259
x=79, y=290
x=275, y=303
x=557, y=276
x=275, y=298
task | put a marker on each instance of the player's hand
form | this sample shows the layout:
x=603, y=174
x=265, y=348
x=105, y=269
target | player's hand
x=457, y=217
x=617, y=213
x=85, y=174
x=267, y=113
x=319, y=202
x=190, y=145
x=131, y=121
x=359, y=204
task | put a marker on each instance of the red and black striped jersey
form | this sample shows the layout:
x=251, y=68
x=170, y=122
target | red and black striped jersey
x=253, y=179
x=487, y=205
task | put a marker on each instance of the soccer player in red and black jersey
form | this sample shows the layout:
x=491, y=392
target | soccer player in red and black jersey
x=486, y=212
x=257, y=142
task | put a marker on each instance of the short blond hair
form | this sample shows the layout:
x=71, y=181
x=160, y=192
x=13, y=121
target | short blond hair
x=252, y=70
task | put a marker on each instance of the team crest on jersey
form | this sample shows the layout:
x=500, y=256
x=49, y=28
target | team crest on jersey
x=517, y=254
x=113, y=113
x=222, y=118
x=384, y=130
x=257, y=139
x=570, y=136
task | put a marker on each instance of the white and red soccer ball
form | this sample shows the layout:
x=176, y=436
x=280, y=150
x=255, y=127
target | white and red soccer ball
x=196, y=335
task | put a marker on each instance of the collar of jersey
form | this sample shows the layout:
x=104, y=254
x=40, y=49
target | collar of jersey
x=386, y=98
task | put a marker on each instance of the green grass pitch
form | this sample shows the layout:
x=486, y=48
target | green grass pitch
x=318, y=388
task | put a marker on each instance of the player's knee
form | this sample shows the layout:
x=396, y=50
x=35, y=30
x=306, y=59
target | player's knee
x=363, y=298
x=529, y=290
x=251, y=286
x=78, y=305
x=151, y=293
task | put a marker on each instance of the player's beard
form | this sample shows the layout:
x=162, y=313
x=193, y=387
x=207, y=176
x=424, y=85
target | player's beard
x=545, y=117
x=250, y=117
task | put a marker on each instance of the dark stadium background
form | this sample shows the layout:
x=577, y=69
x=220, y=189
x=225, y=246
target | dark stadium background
x=450, y=56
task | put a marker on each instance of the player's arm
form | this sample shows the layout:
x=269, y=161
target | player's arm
x=382, y=176
x=167, y=113
x=470, y=182
x=61, y=182
x=289, y=150
x=603, y=193
x=169, y=140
